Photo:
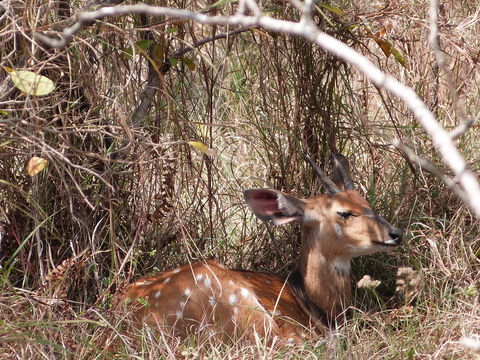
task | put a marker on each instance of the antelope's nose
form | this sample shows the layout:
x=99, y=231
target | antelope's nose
x=396, y=235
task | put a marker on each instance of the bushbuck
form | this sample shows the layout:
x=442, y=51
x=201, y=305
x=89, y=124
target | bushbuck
x=206, y=296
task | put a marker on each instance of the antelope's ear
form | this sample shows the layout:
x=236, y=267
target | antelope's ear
x=341, y=175
x=274, y=205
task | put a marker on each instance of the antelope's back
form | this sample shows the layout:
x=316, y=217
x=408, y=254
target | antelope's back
x=212, y=298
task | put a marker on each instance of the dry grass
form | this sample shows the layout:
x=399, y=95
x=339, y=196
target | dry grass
x=118, y=201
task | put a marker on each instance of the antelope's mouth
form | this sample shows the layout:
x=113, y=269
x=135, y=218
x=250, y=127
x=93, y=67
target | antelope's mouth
x=388, y=243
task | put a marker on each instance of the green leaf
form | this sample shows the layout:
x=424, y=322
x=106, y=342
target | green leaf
x=143, y=301
x=144, y=44
x=140, y=46
x=3, y=113
x=188, y=62
x=398, y=56
x=128, y=52
x=31, y=83
x=173, y=61
x=172, y=29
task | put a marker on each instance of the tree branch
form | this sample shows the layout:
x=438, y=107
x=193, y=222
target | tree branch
x=306, y=29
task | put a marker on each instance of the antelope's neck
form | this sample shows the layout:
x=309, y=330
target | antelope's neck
x=326, y=277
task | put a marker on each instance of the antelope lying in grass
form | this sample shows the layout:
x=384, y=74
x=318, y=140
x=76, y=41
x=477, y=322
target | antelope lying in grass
x=336, y=227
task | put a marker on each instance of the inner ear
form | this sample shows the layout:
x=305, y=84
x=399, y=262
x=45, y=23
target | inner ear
x=273, y=205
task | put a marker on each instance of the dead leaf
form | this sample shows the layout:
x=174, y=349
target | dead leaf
x=35, y=165
x=202, y=147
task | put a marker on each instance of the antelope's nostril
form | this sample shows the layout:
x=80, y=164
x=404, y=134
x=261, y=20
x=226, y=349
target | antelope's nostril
x=396, y=235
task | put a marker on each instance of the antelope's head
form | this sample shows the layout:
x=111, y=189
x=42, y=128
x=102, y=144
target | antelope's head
x=341, y=222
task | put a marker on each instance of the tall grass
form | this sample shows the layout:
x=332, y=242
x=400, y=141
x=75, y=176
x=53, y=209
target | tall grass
x=118, y=201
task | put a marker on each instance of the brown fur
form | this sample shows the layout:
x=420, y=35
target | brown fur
x=224, y=304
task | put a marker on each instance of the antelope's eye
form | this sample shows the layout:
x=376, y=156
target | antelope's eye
x=345, y=214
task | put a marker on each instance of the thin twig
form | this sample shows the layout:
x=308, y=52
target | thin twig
x=434, y=42
x=154, y=78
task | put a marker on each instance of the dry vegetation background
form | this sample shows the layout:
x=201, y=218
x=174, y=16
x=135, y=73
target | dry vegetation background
x=124, y=195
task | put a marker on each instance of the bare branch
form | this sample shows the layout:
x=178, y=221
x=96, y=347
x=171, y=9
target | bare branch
x=440, y=58
x=461, y=129
x=252, y=5
x=433, y=36
x=306, y=29
x=432, y=169
x=434, y=42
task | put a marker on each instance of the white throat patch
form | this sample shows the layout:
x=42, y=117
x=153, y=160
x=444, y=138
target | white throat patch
x=342, y=266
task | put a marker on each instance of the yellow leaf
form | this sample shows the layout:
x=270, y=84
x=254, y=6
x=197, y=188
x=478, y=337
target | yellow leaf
x=333, y=9
x=30, y=83
x=35, y=165
x=262, y=33
x=202, y=147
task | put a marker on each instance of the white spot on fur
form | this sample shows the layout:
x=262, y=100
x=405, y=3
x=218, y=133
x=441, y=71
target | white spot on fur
x=187, y=292
x=338, y=230
x=244, y=292
x=178, y=314
x=290, y=340
x=230, y=282
x=269, y=282
x=158, y=293
x=232, y=299
x=207, y=282
x=167, y=280
x=235, y=311
x=277, y=313
x=142, y=282
x=211, y=300
x=175, y=271
x=182, y=304
x=199, y=277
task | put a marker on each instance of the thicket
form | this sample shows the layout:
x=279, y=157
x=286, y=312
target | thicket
x=150, y=142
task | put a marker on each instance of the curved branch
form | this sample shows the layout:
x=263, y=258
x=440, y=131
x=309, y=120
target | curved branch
x=306, y=28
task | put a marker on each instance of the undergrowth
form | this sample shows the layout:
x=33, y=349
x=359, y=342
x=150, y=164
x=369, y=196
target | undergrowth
x=125, y=195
